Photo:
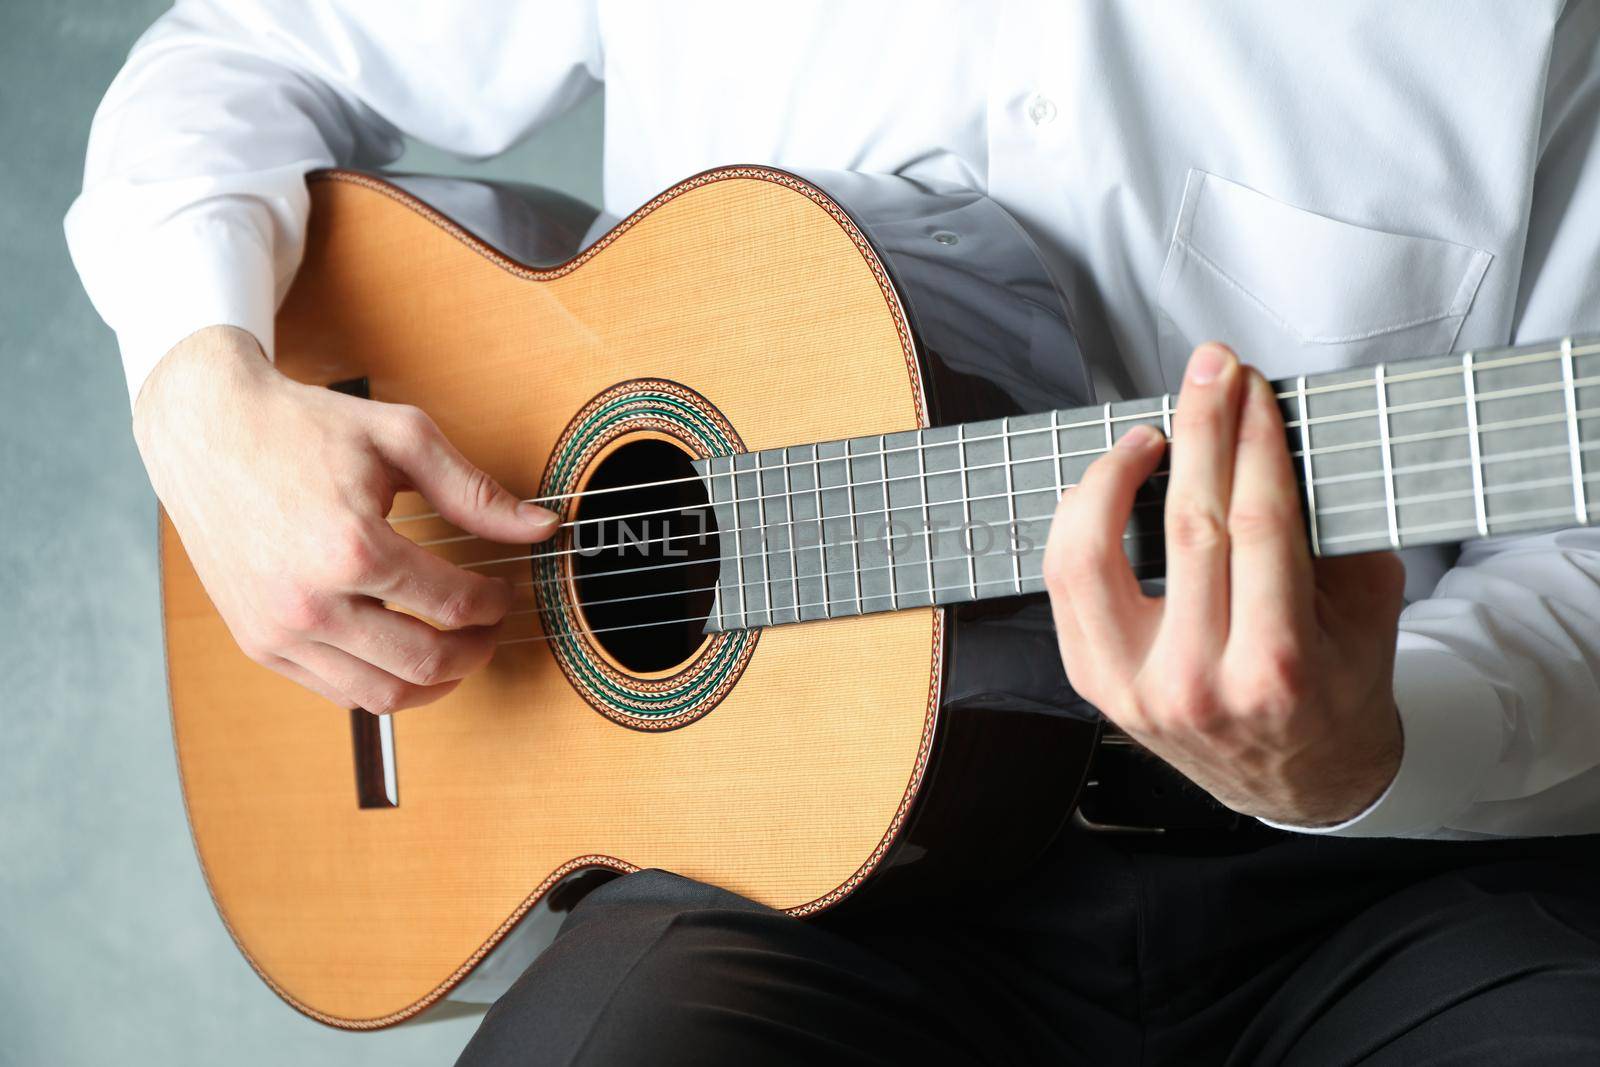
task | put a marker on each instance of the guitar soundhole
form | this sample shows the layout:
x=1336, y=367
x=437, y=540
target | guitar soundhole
x=645, y=564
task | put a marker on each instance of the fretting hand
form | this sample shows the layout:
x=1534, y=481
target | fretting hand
x=1262, y=675
x=280, y=490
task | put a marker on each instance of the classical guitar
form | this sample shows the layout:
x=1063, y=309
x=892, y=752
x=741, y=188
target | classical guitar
x=805, y=435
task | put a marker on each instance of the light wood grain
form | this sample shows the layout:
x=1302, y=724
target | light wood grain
x=742, y=289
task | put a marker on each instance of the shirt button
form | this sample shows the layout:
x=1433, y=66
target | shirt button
x=1041, y=109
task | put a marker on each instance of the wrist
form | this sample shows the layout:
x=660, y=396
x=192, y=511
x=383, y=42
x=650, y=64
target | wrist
x=1349, y=788
x=196, y=376
x=189, y=412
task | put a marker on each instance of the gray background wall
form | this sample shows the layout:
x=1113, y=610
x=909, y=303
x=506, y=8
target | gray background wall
x=110, y=952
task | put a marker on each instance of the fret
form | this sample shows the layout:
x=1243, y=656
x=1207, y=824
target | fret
x=855, y=529
x=1055, y=451
x=943, y=482
x=1034, y=477
x=1480, y=505
x=842, y=565
x=966, y=513
x=822, y=532
x=738, y=545
x=750, y=538
x=1580, y=504
x=1347, y=466
x=777, y=536
x=1388, y=457
x=927, y=520
x=737, y=519
x=1306, y=450
x=1011, y=506
x=1586, y=396
x=989, y=507
x=1081, y=441
x=1166, y=415
x=730, y=595
x=1106, y=417
x=764, y=539
x=791, y=530
x=875, y=575
x=1427, y=419
x=888, y=526
x=909, y=548
x=806, y=533
x=1522, y=411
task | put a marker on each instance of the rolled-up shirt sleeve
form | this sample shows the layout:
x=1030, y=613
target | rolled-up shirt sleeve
x=193, y=208
x=1497, y=673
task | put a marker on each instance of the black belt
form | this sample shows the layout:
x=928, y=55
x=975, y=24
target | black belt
x=1128, y=790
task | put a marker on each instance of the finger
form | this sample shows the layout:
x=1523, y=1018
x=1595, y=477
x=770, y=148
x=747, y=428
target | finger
x=306, y=680
x=1204, y=434
x=408, y=648
x=361, y=684
x=461, y=492
x=428, y=585
x=1086, y=563
x=1270, y=566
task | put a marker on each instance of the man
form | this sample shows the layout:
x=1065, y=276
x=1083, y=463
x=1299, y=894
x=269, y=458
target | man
x=1318, y=188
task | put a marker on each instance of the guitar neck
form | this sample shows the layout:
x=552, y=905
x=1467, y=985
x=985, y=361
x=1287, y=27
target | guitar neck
x=1420, y=452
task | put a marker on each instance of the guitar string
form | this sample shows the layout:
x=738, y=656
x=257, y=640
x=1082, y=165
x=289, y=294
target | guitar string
x=1514, y=360
x=1013, y=435
x=1325, y=480
x=822, y=546
x=1412, y=500
x=772, y=608
x=826, y=603
x=1542, y=356
x=849, y=514
x=1403, y=439
x=1417, y=468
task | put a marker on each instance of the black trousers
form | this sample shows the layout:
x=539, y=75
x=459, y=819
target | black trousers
x=1193, y=949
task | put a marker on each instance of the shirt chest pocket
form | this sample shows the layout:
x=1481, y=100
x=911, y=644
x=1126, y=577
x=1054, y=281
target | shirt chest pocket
x=1294, y=292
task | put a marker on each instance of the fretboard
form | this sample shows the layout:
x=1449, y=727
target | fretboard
x=1401, y=454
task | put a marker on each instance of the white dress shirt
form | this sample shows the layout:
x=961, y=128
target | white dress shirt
x=1318, y=185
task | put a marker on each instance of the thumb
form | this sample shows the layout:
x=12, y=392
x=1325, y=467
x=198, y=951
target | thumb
x=459, y=491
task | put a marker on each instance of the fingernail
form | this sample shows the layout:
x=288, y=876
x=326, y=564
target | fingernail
x=1138, y=438
x=534, y=515
x=1208, y=363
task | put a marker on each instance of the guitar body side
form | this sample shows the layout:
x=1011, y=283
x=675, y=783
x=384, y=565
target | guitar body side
x=813, y=773
x=995, y=338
